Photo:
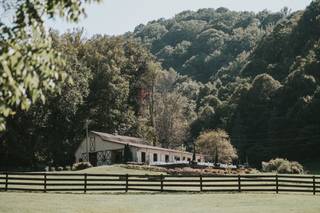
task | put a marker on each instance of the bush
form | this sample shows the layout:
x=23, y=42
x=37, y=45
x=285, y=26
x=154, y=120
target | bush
x=81, y=166
x=282, y=166
x=296, y=167
x=59, y=168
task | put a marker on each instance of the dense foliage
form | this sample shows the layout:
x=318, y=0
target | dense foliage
x=106, y=75
x=199, y=44
x=259, y=74
x=29, y=66
x=280, y=165
x=279, y=113
x=254, y=76
x=216, y=146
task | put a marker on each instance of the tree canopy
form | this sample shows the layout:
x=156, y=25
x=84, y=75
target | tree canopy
x=200, y=43
x=29, y=66
x=216, y=146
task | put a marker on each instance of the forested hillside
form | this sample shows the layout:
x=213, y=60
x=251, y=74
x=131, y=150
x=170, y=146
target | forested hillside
x=279, y=113
x=262, y=72
x=201, y=43
x=254, y=75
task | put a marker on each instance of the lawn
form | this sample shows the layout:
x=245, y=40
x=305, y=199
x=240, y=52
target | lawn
x=134, y=184
x=116, y=169
x=14, y=202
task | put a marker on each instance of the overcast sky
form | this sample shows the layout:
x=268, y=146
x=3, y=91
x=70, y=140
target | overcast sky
x=115, y=17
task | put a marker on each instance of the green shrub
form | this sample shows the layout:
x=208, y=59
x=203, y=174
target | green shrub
x=296, y=167
x=282, y=166
x=81, y=166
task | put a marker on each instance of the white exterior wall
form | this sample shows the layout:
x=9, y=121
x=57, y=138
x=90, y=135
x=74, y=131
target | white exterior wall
x=161, y=155
x=98, y=145
x=95, y=143
x=135, y=155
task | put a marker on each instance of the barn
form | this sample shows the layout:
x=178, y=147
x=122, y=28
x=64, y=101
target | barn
x=106, y=149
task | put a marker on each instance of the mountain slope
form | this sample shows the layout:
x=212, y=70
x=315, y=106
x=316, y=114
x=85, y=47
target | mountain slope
x=200, y=43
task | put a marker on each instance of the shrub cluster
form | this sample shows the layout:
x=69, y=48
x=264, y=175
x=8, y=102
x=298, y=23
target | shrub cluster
x=282, y=166
x=81, y=166
x=190, y=171
x=58, y=168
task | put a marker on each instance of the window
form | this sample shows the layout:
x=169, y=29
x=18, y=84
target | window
x=167, y=158
x=189, y=159
x=155, y=157
x=92, y=144
x=184, y=158
x=176, y=158
x=143, y=157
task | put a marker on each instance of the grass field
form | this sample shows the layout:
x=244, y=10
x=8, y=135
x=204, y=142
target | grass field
x=116, y=169
x=156, y=202
x=75, y=183
x=12, y=202
x=111, y=169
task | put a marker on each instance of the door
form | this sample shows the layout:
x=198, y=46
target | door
x=167, y=158
x=143, y=157
x=118, y=156
x=93, y=158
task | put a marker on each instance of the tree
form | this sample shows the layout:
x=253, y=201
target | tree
x=216, y=146
x=51, y=130
x=171, y=123
x=119, y=67
x=29, y=66
x=147, y=122
x=174, y=111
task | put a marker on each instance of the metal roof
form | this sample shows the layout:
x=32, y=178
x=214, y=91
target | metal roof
x=133, y=141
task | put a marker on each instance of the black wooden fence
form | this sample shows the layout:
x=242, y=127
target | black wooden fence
x=76, y=182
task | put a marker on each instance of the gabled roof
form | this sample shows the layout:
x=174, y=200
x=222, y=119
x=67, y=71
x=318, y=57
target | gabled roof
x=119, y=138
x=133, y=141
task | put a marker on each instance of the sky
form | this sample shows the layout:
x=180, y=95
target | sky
x=114, y=17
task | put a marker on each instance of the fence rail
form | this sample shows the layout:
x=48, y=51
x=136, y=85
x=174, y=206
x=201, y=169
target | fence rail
x=64, y=182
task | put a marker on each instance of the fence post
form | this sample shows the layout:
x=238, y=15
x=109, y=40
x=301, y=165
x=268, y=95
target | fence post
x=127, y=182
x=161, y=182
x=314, y=184
x=45, y=183
x=239, y=183
x=7, y=177
x=277, y=184
x=200, y=183
x=85, y=183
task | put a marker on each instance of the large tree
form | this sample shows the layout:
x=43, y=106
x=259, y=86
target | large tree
x=216, y=146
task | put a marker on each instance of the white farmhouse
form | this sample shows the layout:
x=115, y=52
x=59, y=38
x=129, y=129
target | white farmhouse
x=106, y=149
